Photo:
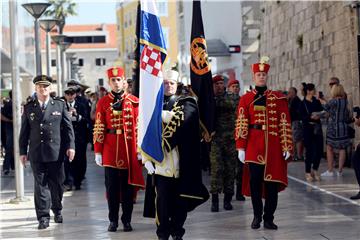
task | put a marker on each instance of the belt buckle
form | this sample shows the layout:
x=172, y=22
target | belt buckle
x=118, y=131
x=263, y=127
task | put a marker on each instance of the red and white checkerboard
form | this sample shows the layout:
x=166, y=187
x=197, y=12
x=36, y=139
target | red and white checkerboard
x=150, y=61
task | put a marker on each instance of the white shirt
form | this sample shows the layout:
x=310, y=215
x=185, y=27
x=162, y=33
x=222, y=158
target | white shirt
x=42, y=103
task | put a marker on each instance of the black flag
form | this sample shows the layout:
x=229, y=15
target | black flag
x=200, y=72
x=136, y=69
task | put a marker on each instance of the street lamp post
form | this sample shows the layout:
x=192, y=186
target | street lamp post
x=36, y=10
x=63, y=47
x=63, y=43
x=47, y=25
x=70, y=59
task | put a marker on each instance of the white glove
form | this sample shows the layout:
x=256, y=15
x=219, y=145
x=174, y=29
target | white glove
x=166, y=116
x=98, y=159
x=286, y=155
x=139, y=157
x=241, y=155
x=149, y=167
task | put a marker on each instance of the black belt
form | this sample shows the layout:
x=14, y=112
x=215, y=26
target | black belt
x=257, y=126
x=114, y=131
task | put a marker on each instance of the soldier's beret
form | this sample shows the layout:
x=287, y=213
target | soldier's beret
x=232, y=82
x=218, y=78
x=42, y=79
x=102, y=89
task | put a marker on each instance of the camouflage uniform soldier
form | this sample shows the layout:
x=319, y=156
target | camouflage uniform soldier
x=223, y=156
x=233, y=87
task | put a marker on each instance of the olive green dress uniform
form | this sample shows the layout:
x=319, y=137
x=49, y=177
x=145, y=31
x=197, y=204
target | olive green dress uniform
x=45, y=131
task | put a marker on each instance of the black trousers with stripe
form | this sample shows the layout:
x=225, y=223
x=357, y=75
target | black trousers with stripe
x=171, y=209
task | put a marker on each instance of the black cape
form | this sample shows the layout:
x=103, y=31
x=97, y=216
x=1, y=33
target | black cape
x=187, y=138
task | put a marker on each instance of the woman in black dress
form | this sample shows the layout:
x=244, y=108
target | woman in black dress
x=313, y=136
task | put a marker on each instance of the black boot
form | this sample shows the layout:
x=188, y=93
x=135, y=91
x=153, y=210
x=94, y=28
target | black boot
x=215, y=202
x=227, y=201
x=239, y=196
x=113, y=227
x=256, y=223
x=270, y=225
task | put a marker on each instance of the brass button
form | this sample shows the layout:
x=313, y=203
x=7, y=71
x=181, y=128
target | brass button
x=41, y=132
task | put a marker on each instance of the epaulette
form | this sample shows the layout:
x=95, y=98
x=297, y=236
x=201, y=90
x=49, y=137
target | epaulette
x=277, y=94
x=132, y=98
x=29, y=102
x=59, y=99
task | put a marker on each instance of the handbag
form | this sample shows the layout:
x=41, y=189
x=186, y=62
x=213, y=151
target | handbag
x=317, y=129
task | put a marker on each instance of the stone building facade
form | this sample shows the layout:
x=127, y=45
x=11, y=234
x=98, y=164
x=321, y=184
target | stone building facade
x=311, y=41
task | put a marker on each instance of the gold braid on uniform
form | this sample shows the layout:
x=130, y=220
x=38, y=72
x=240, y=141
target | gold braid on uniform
x=241, y=125
x=285, y=134
x=170, y=128
x=98, y=129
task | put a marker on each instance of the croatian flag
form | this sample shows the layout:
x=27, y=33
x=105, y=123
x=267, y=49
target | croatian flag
x=153, y=54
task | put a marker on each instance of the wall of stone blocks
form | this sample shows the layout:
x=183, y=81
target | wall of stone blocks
x=328, y=32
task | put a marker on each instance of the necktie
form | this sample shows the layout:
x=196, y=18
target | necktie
x=43, y=107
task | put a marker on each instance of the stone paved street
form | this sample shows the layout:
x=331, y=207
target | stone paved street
x=304, y=212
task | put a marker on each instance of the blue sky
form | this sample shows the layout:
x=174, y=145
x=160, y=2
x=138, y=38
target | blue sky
x=93, y=12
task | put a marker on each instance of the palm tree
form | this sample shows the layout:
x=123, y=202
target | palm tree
x=61, y=9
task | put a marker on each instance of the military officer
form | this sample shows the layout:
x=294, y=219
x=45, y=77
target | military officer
x=178, y=182
x=264, y=143
x=116, y=150
x=83, y=103
x=46, y=128
x=79, y=120
x=223, y=152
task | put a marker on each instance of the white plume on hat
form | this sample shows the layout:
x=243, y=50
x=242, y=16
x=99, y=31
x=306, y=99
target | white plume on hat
x=171, y=75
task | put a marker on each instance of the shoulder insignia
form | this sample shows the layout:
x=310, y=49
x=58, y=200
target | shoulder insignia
x=277, y=94
x=59, y=99
x=29, y=102
x=132, y=98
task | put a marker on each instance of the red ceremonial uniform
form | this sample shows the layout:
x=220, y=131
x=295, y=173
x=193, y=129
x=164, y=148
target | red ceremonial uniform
x=264, y=145
x=115, y=136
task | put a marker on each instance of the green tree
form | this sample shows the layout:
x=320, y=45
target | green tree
x=61, y=9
